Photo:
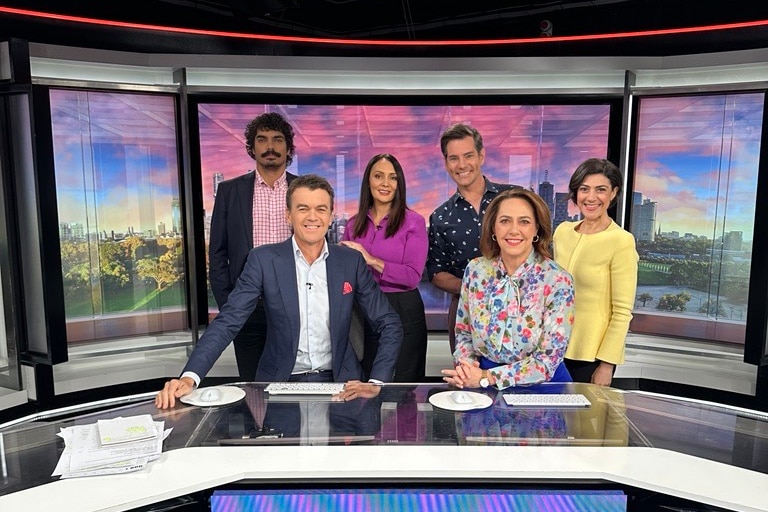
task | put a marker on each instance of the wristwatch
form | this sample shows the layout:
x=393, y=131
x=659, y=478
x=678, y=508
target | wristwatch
x=484, y=382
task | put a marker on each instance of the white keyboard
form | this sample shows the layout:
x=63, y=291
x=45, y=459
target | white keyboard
x=547, y=400
x=304, y=388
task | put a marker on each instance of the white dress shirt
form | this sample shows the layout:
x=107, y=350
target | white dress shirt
x=314, y=329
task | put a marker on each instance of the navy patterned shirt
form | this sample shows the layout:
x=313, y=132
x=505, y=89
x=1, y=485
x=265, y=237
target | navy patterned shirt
x=454, y=231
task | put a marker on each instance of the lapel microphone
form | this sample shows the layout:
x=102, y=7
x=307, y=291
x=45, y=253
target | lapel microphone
x=309, y=284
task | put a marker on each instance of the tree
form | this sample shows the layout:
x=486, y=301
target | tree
x=75, y=264
x=645, y=298
x=712, y=307
x=672, y=302
x=112, y=263
x=132, y=244
x=165, y=269
x=162, y=272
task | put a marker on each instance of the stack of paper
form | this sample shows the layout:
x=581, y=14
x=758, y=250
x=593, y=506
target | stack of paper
x=111, y=446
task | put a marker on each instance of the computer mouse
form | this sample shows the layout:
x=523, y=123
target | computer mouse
x=210, y=395
x=461, y=397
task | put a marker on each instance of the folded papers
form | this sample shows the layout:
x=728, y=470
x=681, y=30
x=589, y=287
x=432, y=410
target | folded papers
x=119, y=445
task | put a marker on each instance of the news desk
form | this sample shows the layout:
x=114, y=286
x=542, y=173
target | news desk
x=650, y=445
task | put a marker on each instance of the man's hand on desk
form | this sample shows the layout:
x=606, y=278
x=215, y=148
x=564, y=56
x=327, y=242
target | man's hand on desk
x=357, y=389
x=172, y=390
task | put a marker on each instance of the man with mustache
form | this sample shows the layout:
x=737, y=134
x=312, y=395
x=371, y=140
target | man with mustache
x=249, y=211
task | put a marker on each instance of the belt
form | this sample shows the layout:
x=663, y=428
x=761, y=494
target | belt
x=311, y=372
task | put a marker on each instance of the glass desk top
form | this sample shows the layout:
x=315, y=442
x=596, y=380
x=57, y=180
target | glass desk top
x=403, y=415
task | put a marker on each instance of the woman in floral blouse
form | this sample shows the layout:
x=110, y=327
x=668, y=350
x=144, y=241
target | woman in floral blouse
x=516, y=306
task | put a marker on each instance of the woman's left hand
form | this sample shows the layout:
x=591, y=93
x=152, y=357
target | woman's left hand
x=603, y=375
x=465, y=374
x=359, y=248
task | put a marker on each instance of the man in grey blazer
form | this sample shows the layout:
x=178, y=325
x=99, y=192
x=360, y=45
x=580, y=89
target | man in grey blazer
x=308, y=288
x=248, y=212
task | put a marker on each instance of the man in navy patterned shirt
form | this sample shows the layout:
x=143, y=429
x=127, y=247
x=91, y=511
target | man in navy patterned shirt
x=454, y=227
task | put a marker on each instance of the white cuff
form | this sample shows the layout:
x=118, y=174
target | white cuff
x=193, y=376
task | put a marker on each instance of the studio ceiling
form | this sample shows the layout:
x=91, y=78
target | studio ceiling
x=401, y=20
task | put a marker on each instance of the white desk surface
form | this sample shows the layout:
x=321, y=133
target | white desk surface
x=188, y=470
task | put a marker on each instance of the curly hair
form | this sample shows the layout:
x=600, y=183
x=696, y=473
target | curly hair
x=270, y=121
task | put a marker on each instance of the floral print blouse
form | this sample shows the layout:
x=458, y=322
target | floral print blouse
x=522, y=321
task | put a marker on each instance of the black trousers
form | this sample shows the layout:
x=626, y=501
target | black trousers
x=249, y=343
x=412, y=362
x=321, y=376
x=581, y=371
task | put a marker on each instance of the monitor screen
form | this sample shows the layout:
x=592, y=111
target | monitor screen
x=418, y=499
x=535, y=145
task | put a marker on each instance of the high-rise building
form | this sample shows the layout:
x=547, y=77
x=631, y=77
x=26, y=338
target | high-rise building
x=78, y=231
x=176, y=215
x=341, y=180
x=560, y=213
x=65, y=231
x=547, y=191
x=217, y=178
x=644, y=221
x=732, y=241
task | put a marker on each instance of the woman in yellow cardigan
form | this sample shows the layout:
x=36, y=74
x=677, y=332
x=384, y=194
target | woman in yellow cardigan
x=602, y=259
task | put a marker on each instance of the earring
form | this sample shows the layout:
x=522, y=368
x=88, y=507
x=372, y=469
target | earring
x=493, y=237
x=535, y=238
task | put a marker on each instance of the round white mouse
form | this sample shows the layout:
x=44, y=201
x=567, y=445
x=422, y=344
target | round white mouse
x=461, y=397
x=210, y=395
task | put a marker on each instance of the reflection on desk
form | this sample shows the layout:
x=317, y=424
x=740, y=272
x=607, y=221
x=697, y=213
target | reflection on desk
x=308, y=422
x=602, y=424
x=724, y=447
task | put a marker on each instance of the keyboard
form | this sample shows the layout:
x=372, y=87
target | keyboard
x=547, y=400
x=304, y=388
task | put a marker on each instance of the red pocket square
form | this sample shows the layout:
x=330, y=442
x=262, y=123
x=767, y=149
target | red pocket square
x=347, y=288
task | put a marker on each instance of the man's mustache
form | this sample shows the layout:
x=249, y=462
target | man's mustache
x=270, y=152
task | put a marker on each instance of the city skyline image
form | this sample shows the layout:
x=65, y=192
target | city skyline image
x=700, y=170
x=118, y=178
x=522, y=144
x=692, y=182
x=116, y=169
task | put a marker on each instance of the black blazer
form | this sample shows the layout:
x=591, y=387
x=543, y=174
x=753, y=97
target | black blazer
x=231, y=235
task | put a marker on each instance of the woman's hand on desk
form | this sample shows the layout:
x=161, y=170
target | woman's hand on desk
x=465, y=374
x=172, y=390
x=357, y=389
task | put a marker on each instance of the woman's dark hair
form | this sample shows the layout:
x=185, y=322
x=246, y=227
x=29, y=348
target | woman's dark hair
x=595, y=166
x=310, y=181
x=398, y=207
x=491, y=249
x=270, y=121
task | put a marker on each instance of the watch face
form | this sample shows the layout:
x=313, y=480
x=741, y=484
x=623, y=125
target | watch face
x=484, y=383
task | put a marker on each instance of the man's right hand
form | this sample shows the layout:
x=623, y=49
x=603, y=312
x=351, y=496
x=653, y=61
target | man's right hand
x=172, y=390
